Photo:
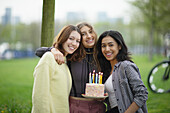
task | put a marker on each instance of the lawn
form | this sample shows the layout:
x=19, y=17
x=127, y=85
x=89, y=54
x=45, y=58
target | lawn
x=16, y=81
x=156, y=103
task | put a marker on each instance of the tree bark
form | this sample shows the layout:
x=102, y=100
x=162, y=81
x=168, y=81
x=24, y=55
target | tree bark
x=47, y=30
x=152, y=30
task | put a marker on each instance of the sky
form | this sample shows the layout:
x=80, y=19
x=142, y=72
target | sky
x=31, y=10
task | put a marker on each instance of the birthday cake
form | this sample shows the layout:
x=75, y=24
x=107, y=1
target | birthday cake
x=95, y=90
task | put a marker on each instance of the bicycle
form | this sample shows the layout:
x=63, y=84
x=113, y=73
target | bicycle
x=158, y=78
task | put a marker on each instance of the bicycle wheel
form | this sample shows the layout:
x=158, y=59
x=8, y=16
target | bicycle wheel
x=158, y=79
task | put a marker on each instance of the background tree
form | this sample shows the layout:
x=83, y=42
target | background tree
x=47, y=31
x=155, y=16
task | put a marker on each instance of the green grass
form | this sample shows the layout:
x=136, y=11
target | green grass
x=16, y=81
x=156, y=103
x=158, y=80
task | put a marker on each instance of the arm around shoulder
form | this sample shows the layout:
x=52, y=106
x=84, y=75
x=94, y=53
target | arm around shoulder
x=40, y=51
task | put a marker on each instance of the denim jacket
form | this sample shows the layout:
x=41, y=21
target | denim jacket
x=128, y=87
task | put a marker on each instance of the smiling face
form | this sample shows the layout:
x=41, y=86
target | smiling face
x=88, y=37
x=110, y=48
x=72, y=43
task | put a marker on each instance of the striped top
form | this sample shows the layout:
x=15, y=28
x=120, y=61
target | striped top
x=128, y=87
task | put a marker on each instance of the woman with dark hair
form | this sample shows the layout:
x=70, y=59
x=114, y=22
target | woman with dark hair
x=80, y=72
x=127, y=93
x=52, y=82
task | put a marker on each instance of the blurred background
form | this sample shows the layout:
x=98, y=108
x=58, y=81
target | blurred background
x=144, y=24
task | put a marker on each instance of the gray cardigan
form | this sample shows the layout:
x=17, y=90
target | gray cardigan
x=128, y=87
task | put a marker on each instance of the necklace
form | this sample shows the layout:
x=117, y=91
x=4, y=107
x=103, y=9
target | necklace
x=91, y=62
x=89, y=52
x=88, y=59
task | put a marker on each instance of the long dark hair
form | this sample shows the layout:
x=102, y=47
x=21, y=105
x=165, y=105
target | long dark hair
x=102, y=63
x=62, y=37
x=82, y=24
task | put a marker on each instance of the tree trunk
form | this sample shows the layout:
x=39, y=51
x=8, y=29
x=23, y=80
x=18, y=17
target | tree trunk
x=151, y=43
x=152, y=30
x=47, y=30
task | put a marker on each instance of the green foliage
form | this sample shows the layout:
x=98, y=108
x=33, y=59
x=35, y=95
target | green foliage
x=100, y=27
x=5, y=33
x=15, y=107
x=152, y=19
x=25, y=34
x=154, y=12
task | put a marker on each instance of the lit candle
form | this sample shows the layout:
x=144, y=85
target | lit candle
x=90, y=77
x=96, y=77
x=93, y=78
x=93, y=71
x=93, y=75
x=101, y=78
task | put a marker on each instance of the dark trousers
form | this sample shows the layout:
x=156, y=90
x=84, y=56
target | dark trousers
x=113, y=110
